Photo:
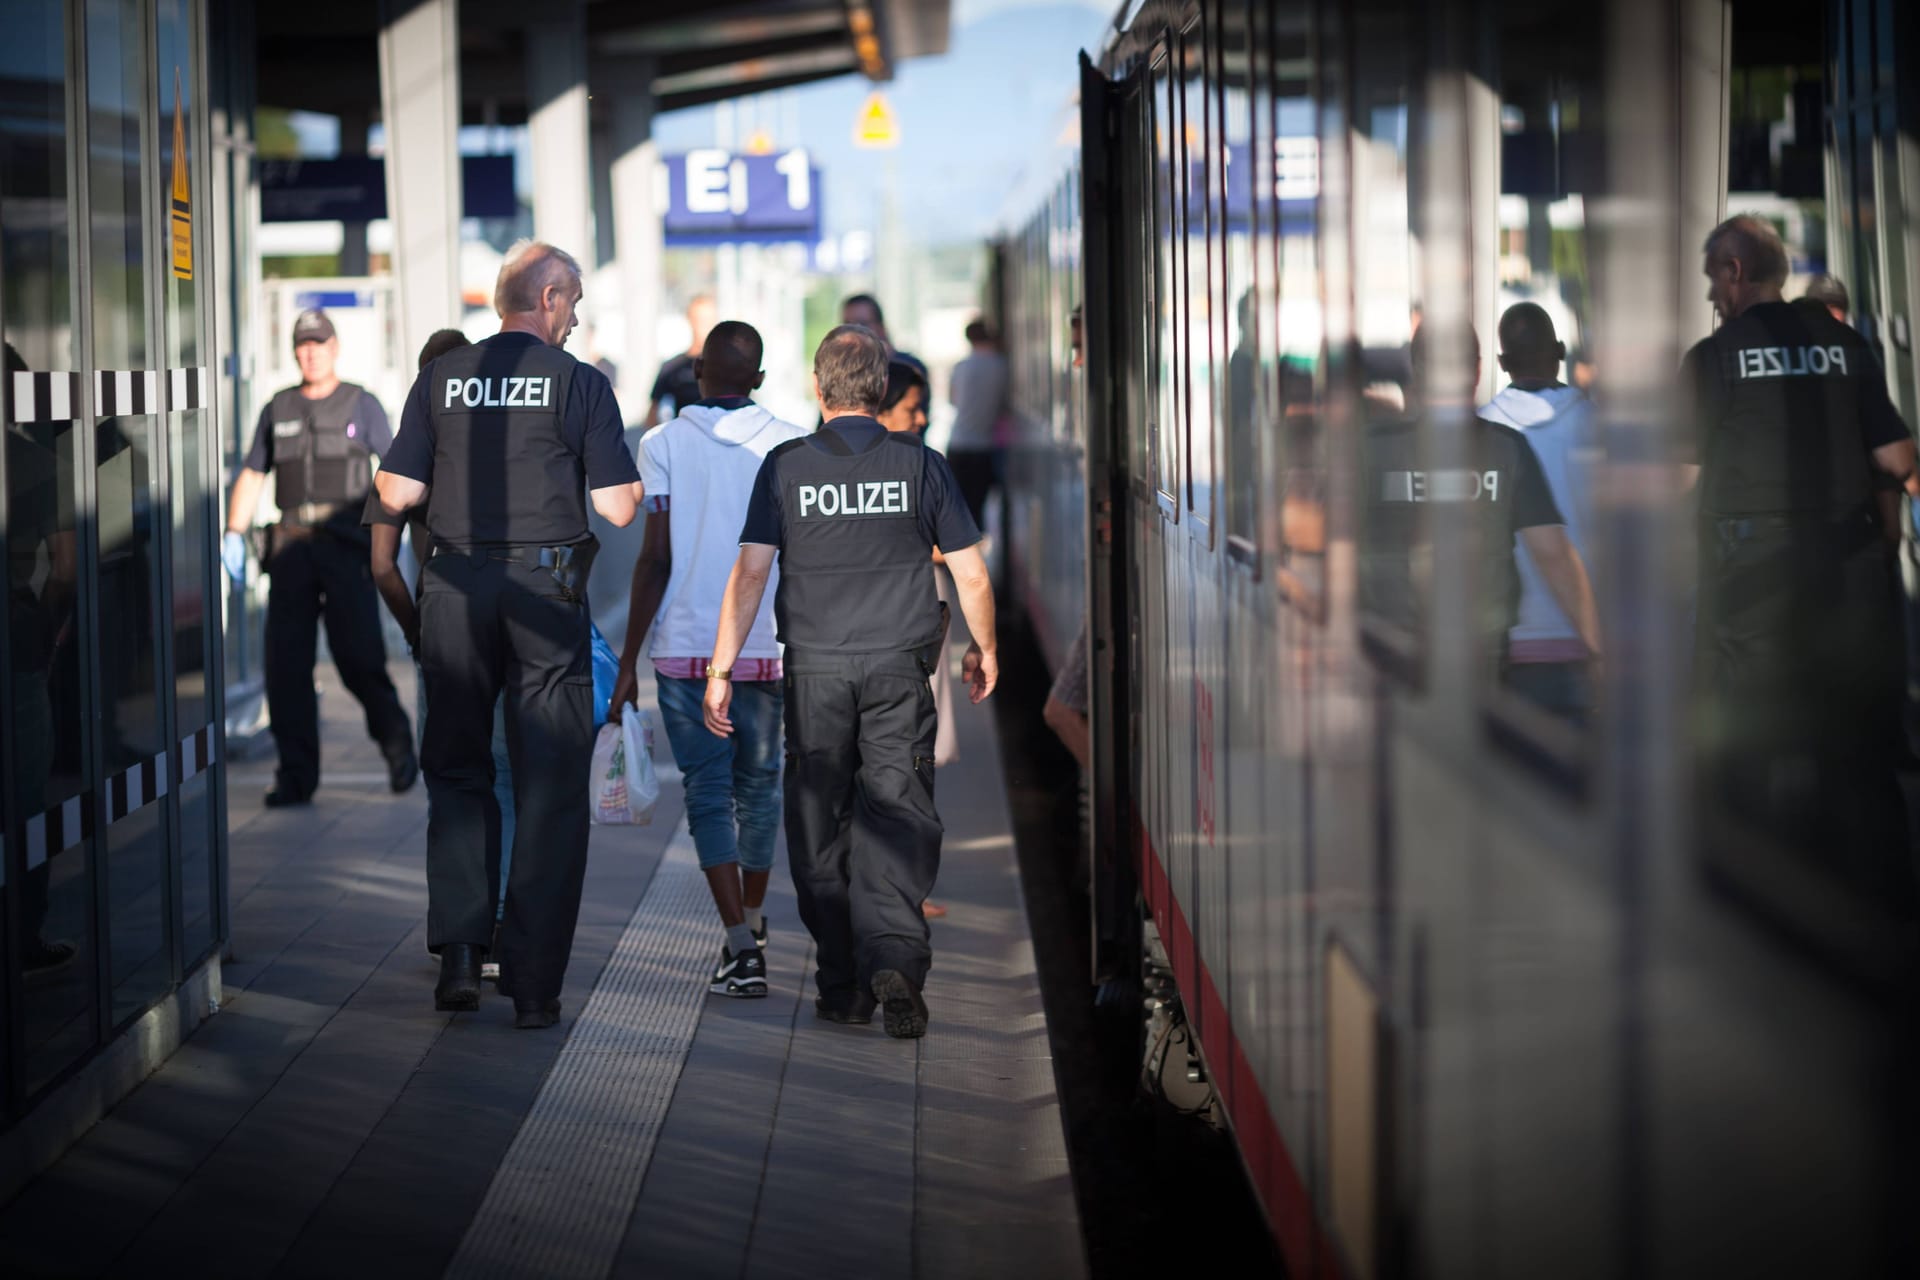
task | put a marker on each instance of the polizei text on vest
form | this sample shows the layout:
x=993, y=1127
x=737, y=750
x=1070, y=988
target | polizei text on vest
x=861, y=498
x=499, y=393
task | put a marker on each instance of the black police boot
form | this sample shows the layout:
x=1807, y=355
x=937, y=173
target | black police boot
x=851, y=1008
x=459, y=987
x=402, y=766
x=535, y=1015
x=901, y=1008
x=283, y=793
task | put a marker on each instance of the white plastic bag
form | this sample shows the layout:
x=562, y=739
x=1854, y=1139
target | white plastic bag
x=624, y=787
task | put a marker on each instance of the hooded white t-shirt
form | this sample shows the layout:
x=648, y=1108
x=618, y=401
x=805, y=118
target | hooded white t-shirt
x=704, y=463
x=1559, y=423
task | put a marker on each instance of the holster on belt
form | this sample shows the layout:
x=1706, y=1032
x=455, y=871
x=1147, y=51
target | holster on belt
x=568, y=565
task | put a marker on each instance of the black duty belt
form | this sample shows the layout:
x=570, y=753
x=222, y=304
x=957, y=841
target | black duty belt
x=567, y=564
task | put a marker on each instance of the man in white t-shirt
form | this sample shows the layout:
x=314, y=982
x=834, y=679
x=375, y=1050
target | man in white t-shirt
x=698, y=469
x=1546, y=661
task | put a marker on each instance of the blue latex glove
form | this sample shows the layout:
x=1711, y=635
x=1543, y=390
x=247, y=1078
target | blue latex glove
x=233, y=554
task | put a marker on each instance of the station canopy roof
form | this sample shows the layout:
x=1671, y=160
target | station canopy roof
x=325, y=57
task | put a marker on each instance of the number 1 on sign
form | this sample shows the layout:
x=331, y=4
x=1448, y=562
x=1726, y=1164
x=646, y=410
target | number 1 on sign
x=793, y=167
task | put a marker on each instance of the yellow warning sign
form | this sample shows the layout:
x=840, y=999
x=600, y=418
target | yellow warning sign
x=182, y=197
x=876, y=125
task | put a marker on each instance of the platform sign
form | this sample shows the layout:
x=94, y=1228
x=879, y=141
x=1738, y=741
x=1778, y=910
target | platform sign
x=181, y=194
x=717, y=197
x=354, y=189
x=876, y=125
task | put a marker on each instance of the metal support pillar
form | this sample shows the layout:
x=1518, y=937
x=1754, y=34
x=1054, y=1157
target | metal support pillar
x=420, y=102
x=1705, y=48
x=557, y=102
x=636, y=240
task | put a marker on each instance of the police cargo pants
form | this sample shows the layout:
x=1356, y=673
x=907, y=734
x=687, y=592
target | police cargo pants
x=489, y=625
x=863, y=839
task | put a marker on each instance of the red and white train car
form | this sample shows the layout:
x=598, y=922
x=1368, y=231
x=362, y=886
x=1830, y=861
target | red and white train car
x=1480, y=992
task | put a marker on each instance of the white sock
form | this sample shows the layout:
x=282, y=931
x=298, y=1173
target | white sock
x=740, y=939
x=755, y=915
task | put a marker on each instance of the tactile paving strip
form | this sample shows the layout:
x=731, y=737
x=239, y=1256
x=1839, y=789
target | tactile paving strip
x=560, y=1200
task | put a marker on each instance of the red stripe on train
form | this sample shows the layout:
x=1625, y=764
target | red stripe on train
x=1275, y=1176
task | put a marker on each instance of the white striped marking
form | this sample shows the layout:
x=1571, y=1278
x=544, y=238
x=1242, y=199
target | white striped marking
x=561, y=1197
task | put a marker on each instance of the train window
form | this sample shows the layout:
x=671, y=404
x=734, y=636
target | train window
x=1169, y=157
x=1240, y=413
x=1137, y=285
x=1200, y=134
x=1396, y=548
x=1293, y=199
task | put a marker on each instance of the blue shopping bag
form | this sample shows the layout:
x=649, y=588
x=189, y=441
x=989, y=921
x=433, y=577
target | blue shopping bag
x=606, y=669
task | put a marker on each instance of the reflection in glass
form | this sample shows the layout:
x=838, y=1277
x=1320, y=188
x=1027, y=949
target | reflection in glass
x=1197, y=203
x=1169, y=156
x=127, y=455
x=46, y=721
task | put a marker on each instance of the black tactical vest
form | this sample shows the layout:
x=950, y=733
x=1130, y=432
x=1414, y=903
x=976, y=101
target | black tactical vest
x=856, y=568
x=503, y=471
x=1784, y=417
x=320, y=453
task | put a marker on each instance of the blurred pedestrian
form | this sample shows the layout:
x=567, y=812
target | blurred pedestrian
x=1829, y=292
x=979, y=394
x=319, y=440
x=676, y=386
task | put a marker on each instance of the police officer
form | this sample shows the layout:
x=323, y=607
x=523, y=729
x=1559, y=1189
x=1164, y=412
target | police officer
x=854, y=513
x=1798, y=649
x=510, y=435
x=319, y=440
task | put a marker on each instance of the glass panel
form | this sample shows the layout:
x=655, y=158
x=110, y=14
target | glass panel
x=190, y=437
x=126, y=454
x=140, y=963
x=1313, y=195
x=1396, y=559
x=196, y=867
x=1237, y=184
x=47, y=722
x=1168, y=159
x=1198, y=178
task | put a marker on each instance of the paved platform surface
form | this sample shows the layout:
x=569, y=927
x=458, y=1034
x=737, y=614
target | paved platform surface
x=327, y=1122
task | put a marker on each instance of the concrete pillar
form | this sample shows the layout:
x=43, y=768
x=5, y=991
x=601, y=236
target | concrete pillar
x=557, y=128
x=636, y=211
x=420, y=103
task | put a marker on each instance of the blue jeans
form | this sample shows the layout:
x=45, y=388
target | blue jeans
x=502, y=775
x=732, y=784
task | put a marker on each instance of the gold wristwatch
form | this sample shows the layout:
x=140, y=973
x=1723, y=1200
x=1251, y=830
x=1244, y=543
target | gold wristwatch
x=715, y=673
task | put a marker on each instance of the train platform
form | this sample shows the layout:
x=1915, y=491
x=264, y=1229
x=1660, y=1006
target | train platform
x=328, y=1122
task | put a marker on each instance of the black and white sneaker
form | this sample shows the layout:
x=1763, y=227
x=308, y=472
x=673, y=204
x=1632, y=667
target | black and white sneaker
x=760, y=934
x=742, y=976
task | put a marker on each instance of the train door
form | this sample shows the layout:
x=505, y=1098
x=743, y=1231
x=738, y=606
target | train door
x=1110, y=137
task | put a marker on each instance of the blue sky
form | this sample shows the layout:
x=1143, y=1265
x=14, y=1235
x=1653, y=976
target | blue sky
x=976, y=124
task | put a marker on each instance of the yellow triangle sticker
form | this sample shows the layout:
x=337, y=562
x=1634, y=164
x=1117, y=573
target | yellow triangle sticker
x=182, y=201
x=876, y=125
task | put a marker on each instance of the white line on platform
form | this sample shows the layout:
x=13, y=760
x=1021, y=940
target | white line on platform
x=559, y=1202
